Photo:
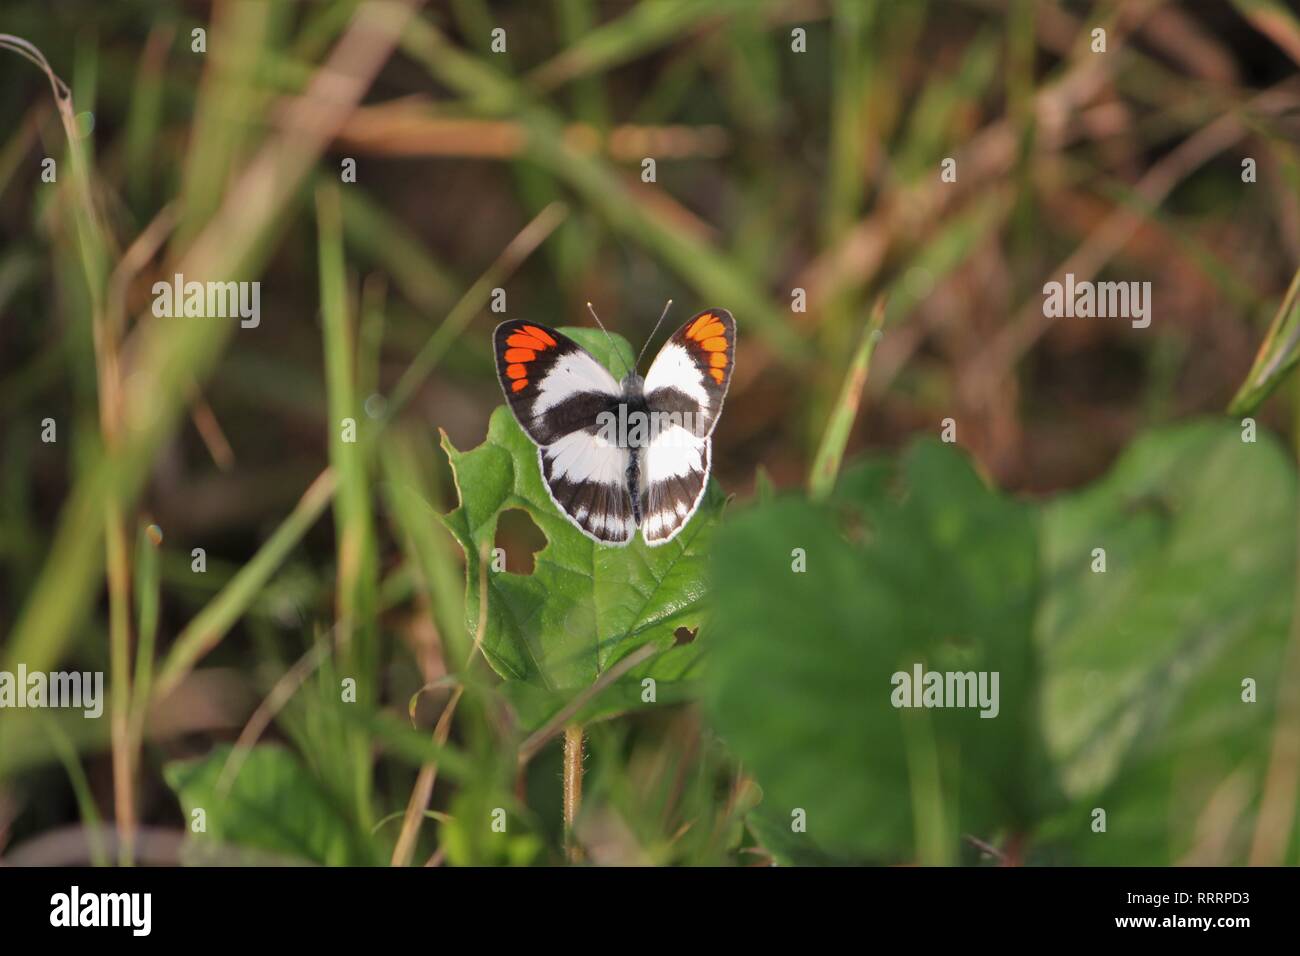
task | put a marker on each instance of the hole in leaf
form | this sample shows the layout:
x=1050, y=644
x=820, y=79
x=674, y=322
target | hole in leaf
x=520, y=538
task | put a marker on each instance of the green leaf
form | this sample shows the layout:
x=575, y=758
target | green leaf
x=273, y=804
x=917, y=564
x=1143, y=663
x=470, y=836
x=585, y=606
x=673, y=671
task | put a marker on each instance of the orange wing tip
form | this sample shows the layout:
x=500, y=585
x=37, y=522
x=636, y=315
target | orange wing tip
x=718, y=375
x=706, y=319
x=521, y=341
x=520, y=355
x=714, y=344
x=718, y=359
x=537, y=333
x=519, y=385
x=516, y=371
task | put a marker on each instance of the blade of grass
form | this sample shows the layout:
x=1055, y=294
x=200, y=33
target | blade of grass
x=280, y=693
x=19, y=145
x=1030, y=323
x=148, y=540
x=347, y=456
x=211, y=624
x=370, y=337
x=412, y=501
x=643, y=28
x=145, y=116
x=207, y=628
x=418, y=802
x=167, y=357
x=826, y=464
x=534, y=184
x=383, y=240
x=1277, y=354
x=710, y=271
x=220, y=134
x=469, y=305
x=933, y=124
x=577, y=20
x=850, y=23
x=89, y=812
x=93, y=246
x=357, y=553
x=1275, y=21
x=119, y=642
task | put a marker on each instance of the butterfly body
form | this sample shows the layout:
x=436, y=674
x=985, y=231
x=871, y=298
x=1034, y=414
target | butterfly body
x=618, y=455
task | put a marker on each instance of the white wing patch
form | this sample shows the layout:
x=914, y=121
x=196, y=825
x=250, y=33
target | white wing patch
x=673, y=367
x=586, y=478
x=581, y=456
x=572, y=373
x=674, y=474
x=674, y=453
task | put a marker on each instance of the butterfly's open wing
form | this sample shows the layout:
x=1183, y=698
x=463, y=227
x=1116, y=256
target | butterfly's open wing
x=686, y=386
x=557, y=390
x=587, y=479
x=691, y=373
x=674, y=474
x=552, y=384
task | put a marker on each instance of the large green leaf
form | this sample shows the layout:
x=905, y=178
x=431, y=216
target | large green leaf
x=1143, y=663
x=916, y=565
x=273, y=804
x=585, y=606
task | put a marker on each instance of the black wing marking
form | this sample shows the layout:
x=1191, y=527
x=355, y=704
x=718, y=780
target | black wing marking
x=676, y=473
x=587, y=480
x=692, y=372
x=553, y=385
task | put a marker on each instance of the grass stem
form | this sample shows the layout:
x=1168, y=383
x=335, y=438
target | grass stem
x=836, y=437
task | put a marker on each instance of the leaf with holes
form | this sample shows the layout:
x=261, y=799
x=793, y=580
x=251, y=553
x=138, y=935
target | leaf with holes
x=586, y=606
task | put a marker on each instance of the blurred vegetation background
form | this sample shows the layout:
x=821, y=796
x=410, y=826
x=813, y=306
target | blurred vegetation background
x=797, y=149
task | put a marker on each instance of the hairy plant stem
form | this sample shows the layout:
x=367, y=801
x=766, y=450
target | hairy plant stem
x=572, y=788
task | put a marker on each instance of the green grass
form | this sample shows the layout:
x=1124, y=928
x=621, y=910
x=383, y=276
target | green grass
x=775, y=171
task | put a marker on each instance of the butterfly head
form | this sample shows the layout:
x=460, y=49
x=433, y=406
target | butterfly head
x=633, y=384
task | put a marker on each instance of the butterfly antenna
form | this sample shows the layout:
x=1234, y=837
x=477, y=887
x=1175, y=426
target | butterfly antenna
x=612, y=347
x=663, y=315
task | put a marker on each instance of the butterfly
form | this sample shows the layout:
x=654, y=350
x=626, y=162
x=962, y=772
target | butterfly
x=620, y=455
